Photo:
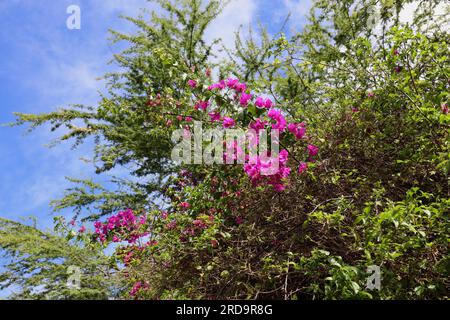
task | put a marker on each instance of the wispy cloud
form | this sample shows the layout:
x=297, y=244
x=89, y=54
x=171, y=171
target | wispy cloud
x=298, y=9
x=407, y=13
x=237, y=13
x=45, y=65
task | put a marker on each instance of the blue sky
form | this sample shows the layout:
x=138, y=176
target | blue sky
x=45, y=65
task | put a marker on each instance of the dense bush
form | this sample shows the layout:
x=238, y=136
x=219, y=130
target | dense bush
x=363, y=116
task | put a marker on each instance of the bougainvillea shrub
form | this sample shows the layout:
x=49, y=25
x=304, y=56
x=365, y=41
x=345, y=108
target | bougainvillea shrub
x=360, y=113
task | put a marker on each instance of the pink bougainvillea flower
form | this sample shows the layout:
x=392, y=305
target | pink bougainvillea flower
x=135, y=288
x=302, y=167
x=228, y=122
x=179, y=118
x=169, y=123
x=171, y=225
x=260, y=102
x=220, y=85
x=283, y=156
x=274, y=114
x=268, y=104
x=82, y=229
x=202, y=105
x=72, y=222
x=124, y=221
x=444, y=108
x=245, y=97
x=258, y=125
x=240, y=87
x=215, y=116
x=279, y=118
x=186, y=133
x=231, y=83
x=398, y=69
x=138, y=286
x=371, y=94
x=354, y=109
x=192, y=83
x=208, y=73
x=185, y=205
x=312, y=150
x=263, y=103
x=292, y=127
x=188, y=119
x=268, y=170
x=233, y=152
x=284, y=172
x=298, y=129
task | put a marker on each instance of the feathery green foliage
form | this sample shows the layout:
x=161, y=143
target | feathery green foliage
x=373, y=95
x=40, y=265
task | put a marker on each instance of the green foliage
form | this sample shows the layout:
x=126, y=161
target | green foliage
x=379, y=194
x=39, y=265
x=154, y=68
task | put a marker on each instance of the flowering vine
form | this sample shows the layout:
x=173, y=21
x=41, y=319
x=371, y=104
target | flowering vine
x=124, y=226
x=263, y=115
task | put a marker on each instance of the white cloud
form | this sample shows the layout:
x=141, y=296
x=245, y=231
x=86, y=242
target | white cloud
x=50, y=64
x=237, y=13
x=299, y=10
x=407, y=13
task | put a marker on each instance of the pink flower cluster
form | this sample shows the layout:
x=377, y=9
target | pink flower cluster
x=312, y=150
x=265, y=171
x=240, y=90
x=255, y=166
x=272, y=176
x=297, y=129
x=228, y=122
x=280, y=121
x=230, y=83
x=268, y=170
x=233, y=151
x=215, y=116
x=185, y=205
x=137, y=287
x=202, y=105
x=241, y=95
x=263, y=103
x=302, y=167
x=258, y=125
x=245, y=98
x=192, y=83
x=124, y=226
